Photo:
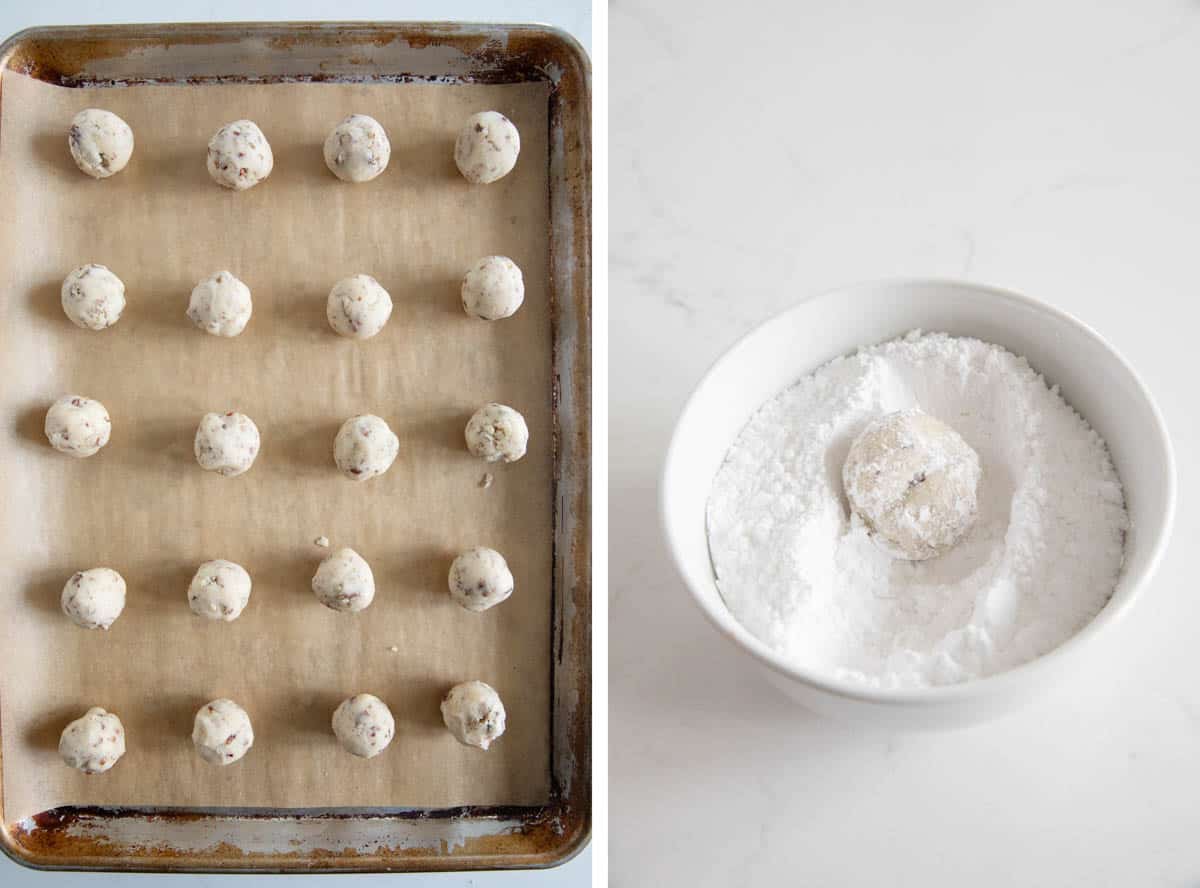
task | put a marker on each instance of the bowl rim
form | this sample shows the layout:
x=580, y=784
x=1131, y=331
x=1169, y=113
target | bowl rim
x=995, y=685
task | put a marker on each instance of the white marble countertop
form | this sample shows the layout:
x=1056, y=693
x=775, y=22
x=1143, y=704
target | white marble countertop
x=762, y=155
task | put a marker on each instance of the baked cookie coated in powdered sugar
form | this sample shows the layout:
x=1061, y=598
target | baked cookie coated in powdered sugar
x=913, y=480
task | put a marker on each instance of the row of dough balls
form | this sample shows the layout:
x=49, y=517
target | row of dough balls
x=222, y=733
x=479, y=579
x=228, y=443
x=356, y=150
x=358, y=307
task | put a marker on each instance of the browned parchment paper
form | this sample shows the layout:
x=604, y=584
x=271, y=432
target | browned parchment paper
x=144, y=507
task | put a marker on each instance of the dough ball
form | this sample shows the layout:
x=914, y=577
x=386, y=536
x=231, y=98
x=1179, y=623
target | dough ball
x=487, y=147
x=480, y=579
x=497, y=433
x=358, y=307
x=93, y=297
x=220, y=305
x=364, y=725
x=473, y=713
x=364, y=447
x=493, y=289
x=221, y=732
x=912, y=480
x=358, y=149
x=239, y=156
x=77, y=426
x=226, y=443
x=94, y=742
x=220, y=590
x=344, y=582
x=94, y=598
x=100, y=142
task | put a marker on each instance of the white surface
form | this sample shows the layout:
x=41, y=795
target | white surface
x=573, y=16
x=1047, y=147
x=1095, y=380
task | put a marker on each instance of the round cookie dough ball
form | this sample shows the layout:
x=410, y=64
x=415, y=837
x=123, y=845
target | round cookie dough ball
x=358, y=149
x=220, y=590
x=365, y=447
x=344, y=582
x=364, y=725
x=221, y=732
x=226, y=443
x=912, y=480
x=493, y=289
x=487, y=147
x=94, y=598
x=94, y=742
x=473, y=713
x=77, y=426
x=239, y=156
x=101, y=143
x=497, y=433
x=480, y=579
x=93, y=297
x=220, y=305
x=358, y=307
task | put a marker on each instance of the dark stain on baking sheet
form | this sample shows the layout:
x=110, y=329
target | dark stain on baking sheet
x=524, y=837
x=69, y=815
x=338, y=53
x=201, y=840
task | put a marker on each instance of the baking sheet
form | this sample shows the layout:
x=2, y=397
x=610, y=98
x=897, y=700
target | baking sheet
x=143, y=507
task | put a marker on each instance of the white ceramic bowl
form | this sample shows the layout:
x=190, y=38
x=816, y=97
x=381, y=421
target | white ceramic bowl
x=1094, y=379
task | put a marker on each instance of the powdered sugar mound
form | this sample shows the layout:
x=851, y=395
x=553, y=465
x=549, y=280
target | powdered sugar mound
x=1039, y=563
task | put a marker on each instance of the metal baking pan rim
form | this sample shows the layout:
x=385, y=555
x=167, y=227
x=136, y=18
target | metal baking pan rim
x=435, y=33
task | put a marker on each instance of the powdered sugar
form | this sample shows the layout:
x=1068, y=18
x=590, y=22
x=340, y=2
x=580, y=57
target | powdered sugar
x=803, y=576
